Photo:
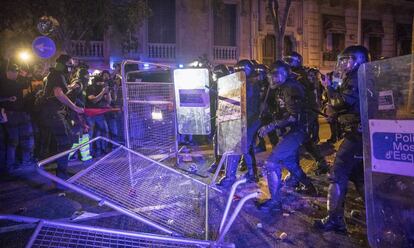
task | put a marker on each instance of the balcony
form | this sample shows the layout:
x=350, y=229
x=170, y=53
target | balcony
x=225, y=53
x=88, y=49
x=163, y=51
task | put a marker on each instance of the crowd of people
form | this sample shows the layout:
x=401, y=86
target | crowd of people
x=43, y=113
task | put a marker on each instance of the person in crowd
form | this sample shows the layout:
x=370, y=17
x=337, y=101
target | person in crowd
x=292, y=127
x=295, y=61
x=54, y=105
x=117, y=102
x=111, y=117
x=348, y=164
x=18, y=126
x=98, y=96
x=79, y=126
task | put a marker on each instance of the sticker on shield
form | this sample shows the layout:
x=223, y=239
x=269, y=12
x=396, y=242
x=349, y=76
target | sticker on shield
x=392, y=146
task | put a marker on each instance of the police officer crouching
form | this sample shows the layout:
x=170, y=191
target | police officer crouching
x=348, y=165
x=291, y=100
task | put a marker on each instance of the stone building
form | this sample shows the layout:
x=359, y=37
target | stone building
x=180, y=31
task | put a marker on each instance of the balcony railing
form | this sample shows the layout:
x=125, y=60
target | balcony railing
x=161, y=51
x=88, y=49
x=225, y=53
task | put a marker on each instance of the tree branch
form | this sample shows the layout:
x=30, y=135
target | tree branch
x=285, y=17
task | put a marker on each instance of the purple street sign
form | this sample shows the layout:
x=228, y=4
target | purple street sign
x=44, y=47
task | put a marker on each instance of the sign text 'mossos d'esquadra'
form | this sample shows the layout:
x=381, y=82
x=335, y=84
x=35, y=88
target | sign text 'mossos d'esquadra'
x=397, y=147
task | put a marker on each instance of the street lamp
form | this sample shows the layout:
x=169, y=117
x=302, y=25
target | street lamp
x=24, y=56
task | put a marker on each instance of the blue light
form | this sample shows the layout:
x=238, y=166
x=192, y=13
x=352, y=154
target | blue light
x=180, y=66
x=146, y=66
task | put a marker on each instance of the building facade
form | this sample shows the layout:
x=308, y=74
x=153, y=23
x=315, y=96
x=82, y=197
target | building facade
x=180, y=31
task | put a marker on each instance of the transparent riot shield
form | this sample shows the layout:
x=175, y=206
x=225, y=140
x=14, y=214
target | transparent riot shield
x=231, y=114
x=192, y=101
x=386, y=93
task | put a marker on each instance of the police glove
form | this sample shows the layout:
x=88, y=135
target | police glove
x=266, y=129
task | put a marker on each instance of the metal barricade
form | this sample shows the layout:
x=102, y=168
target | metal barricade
x=146, y=190
x=149, y=116
x=58, y=234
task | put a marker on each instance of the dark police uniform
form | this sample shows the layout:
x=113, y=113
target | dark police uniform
x=54, y=117
x=19, y=128
x=290, y=99
x=348, y=164
x=312, y=125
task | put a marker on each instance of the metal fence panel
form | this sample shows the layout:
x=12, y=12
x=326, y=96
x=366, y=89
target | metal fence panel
x=149, y=117
x=58, y=234
x=386, y=89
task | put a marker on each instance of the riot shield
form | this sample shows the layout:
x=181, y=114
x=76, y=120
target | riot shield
x=231, y=114
x=192, y=101
x=386, y=89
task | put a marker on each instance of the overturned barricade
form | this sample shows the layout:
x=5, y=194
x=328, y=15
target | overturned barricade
x=45, y=233
x=152, y=193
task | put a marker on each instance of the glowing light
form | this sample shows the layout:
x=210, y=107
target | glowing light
x=24, y=56
x=156, y=114
x=180, y=66
x=146, y=66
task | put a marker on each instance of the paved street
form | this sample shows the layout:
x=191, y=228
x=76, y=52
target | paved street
x=27, y=193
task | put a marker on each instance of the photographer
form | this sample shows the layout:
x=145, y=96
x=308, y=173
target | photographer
x=98, y=96
x=111, y=117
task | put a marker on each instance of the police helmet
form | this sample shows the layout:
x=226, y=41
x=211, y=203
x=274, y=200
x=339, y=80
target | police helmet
x=294, y=59
x=358, y=54
x=220, y=71
x=245, y=65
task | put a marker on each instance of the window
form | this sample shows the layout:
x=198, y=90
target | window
x=269, y=49
x=161, y=25
x=403, y=38
x=373, y=32
x=288, y=45
x=375, y=47
x=334, y=36
x=225, y=25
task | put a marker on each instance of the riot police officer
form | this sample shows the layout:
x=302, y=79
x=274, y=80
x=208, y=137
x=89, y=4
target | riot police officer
x=268, y=107
x=348, y=164
x=295, y=61
x=19, y=128
x=253, y=124
x=291, y=123
x=54, y=103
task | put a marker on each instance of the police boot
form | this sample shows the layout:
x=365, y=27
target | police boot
x=290, y=181
x=274, y=183
x=307, y=187
x=335, y=219
x=231, y=170
x=321, y=167
x=252, y=174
